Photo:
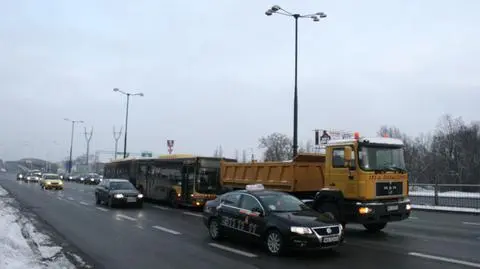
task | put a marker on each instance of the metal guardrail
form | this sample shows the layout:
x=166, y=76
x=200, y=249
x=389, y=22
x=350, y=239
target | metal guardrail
x=446, y=195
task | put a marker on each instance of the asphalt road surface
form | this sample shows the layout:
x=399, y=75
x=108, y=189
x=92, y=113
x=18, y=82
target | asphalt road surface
x=161, y=237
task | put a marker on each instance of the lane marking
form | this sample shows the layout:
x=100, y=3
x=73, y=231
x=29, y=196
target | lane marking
x=431, y=257
x=233, y=250
x=60, y=198
x=163, y=229
x=411, y=217
x=193, y=214
x=83, y=203
x=471, y=223
x=161, y=207
x=140, y=227
x=102, y=209
x=126, y=217
x=70, y=198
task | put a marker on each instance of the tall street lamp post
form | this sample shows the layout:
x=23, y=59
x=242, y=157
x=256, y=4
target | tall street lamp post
x=315, y=17
x=71, y=142
x=128, y=94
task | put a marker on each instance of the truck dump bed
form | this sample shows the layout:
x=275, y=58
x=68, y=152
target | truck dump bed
x=303, y=174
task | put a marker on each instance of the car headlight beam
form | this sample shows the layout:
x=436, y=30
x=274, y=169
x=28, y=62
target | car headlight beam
x=140, y=196
x=118, y=196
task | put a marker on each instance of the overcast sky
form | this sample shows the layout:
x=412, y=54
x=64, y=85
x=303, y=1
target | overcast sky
x=221, y=72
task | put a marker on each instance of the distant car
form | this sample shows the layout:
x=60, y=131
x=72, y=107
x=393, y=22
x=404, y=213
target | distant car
x=30, y=177
x=51, y=181
x=92, y=179
x=118, y=192
x=20, y=176
x=278, y=220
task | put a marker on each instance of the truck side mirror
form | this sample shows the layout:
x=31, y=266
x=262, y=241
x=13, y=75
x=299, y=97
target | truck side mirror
x=347, y=153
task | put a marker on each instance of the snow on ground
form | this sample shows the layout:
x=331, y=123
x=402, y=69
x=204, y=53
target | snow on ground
x=446, y=208
x=21, y=245
x=451, y=194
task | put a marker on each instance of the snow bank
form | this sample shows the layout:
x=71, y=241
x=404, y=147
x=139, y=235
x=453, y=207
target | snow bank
x=21, y=245
x=451, y=194
x=446, y=208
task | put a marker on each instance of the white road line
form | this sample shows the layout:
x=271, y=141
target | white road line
x=83, y=203
x=70, y=198
x=126, y=217
x=411, y=217
x=471, y=223
x=166, y=230
x=161, y=207
x=102, y=209
x=233, y=250
x=193, y=214
x=431, y=257
x=60, y=198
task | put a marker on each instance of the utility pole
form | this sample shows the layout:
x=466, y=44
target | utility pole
x=88, y=137
x=116, y=136
x=70, y=162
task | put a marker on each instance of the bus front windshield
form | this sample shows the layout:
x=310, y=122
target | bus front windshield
x=207, y=181
x=381, y=158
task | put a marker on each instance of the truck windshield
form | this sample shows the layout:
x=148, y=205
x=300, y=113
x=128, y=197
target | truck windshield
x=207, y=181
x=374, y=158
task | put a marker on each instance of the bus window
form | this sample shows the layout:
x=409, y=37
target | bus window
x=208, y=180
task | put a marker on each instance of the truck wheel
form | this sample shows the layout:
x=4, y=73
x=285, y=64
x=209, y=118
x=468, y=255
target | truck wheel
x=375, y=227
x=331, y=209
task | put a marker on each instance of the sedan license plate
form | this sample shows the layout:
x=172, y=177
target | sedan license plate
x=392, y=207
x=331, y=239
x=131, y=199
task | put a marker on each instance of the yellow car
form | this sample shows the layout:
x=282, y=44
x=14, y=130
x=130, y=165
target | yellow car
x=51, y=181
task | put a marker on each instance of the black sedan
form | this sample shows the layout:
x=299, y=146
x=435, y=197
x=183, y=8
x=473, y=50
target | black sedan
x=118, y=192
x=279, y=220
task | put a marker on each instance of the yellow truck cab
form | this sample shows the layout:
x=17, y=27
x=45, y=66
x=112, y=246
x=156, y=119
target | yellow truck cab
x=365, y=182
x=358, y=180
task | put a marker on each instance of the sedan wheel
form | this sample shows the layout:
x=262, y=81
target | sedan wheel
x=214, y=229
x=274, y=242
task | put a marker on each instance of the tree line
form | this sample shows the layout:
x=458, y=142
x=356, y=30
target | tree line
x=450, y=154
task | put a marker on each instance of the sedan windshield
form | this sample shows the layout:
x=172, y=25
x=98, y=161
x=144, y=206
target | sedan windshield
x=280, y=202
x=121, y=186
x=52, y=177
x=373, y=158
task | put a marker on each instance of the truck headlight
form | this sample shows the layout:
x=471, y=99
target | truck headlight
x=364, y=210
x=118, y=196
x=300, y=230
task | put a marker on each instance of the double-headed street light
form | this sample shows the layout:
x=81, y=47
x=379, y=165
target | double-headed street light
x=126, y=117
x=71, y=142
x=315, y=17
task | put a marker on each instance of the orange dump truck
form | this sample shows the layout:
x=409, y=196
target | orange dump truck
x=360, y=180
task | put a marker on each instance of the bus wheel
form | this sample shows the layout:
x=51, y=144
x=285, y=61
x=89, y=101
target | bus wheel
x=173, y=199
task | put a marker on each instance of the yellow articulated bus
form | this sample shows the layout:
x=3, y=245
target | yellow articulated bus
x=179, y=179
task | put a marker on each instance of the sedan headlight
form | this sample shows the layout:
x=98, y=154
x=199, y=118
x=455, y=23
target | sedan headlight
x=118, y=196
x=408, y=207
x=301, y=230
x=140, y=196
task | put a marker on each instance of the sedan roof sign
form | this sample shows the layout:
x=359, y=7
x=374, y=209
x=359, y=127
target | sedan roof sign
x=255, y=187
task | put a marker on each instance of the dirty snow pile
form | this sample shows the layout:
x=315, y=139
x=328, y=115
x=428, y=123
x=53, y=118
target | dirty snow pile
x=21, y=245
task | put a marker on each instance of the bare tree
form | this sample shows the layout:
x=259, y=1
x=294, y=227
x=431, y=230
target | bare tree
x=277, y=146
x=244, y=156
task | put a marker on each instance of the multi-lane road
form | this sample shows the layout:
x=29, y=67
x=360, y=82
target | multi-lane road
x=162, y=237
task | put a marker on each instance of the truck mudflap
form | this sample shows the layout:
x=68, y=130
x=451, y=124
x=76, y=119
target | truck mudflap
x=381, y=212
